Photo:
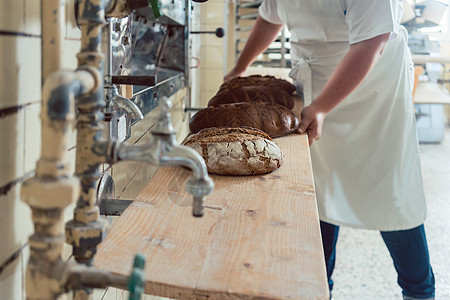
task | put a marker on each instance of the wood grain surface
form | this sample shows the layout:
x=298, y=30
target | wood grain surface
x=259, y=237
x=431, y=93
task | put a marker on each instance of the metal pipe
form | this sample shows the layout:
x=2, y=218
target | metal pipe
x=58, y=94
x=52, y=16
x=107, y=38
x=52, y=189
x=86, y=230
x=81, y=277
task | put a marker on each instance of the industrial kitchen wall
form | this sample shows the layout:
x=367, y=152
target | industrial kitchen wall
x=213, y=51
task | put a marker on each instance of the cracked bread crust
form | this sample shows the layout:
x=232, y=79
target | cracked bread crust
x=226, y=134
x=236, y=151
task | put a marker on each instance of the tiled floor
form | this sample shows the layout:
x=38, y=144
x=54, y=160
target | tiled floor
x=364, y=269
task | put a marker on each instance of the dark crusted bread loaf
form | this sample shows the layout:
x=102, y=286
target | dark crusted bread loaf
x=236, y=151
x=253, y=93
x=258, y=80
x=273, y=119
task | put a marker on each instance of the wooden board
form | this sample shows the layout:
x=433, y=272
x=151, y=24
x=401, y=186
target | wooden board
x=419, y=59
x=431, y=93
x=259, y=237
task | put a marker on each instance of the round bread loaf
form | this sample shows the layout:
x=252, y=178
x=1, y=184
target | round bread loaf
x=236, y=151
x=268, y=94
x=275, y=120
x=258, y=80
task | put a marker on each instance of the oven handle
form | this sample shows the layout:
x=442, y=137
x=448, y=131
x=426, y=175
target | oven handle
x=219, y=32
x=144, y=80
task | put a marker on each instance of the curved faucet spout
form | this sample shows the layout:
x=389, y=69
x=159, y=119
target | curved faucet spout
x=200, y=184
x=184, y=156
x=114, y=99
x=129, y=106
x=163, y=150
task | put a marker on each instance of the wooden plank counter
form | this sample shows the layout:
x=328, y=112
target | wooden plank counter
x=431, y=93
x=259, y=237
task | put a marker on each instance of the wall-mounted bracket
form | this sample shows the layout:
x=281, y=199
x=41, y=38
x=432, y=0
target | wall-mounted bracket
x=105, y=197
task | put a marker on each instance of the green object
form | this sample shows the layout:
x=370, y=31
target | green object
x=155, y=8
x=136, y=279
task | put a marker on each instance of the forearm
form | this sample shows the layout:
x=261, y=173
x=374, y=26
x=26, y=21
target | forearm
x=351, y=71
x=262, y=35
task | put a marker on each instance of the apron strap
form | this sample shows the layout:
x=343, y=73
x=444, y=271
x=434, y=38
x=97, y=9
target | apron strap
x=301, y=71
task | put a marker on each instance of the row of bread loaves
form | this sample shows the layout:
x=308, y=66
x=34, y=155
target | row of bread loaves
x=233, y=134
x=261, y=102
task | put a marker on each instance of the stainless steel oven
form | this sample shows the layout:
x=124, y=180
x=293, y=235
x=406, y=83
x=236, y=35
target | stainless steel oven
x=147, y=52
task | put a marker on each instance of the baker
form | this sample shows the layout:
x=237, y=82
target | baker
x=351, y=59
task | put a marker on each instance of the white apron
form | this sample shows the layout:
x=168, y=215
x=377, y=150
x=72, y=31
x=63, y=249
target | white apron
x=366, y=163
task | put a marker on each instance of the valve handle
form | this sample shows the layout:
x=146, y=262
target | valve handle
x=137, y=278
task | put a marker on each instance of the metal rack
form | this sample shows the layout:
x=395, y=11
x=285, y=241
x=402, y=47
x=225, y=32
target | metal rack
x=278, y=53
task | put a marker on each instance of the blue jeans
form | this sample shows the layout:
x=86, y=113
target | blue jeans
x=409, y=252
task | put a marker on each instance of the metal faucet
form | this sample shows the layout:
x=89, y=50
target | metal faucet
x=163, y=150
x=113, y=99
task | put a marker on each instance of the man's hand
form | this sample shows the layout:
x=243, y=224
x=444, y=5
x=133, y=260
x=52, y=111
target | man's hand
x=262, y=35
x=349, y=73
x=311, y=122
x=235, y=72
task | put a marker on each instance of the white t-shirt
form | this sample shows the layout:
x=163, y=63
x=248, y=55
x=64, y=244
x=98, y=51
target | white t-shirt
x=366, y=165
x=365, y=18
